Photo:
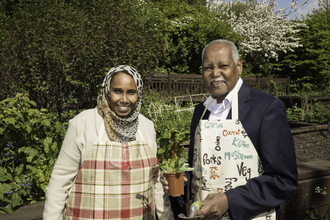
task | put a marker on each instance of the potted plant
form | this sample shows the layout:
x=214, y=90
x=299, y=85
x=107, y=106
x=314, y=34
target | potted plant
x=173, y=130
x=172, y=125
x=174, y=169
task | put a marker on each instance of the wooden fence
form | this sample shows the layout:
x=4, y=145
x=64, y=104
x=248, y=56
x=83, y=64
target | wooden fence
x=184, y=84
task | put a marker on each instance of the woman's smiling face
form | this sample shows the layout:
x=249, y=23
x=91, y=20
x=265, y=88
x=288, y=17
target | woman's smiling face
x=123, y=94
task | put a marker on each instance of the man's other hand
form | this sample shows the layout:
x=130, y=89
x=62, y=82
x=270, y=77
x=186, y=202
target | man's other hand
x=214, y=205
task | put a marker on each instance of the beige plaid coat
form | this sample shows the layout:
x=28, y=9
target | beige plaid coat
x=81, y=135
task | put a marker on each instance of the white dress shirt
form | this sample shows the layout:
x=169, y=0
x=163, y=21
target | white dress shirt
x=219, y=111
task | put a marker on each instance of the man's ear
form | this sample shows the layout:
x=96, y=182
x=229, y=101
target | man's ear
x=239, y=66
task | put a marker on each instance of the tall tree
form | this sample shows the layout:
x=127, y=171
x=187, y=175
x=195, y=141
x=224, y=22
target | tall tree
x=265, y=28
x=187, y=29
x=325, y=4
x=309, y=66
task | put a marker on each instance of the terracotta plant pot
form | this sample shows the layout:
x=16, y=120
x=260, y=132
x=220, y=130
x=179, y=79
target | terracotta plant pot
x=175, y=184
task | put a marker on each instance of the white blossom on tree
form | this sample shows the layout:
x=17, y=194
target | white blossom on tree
x=265, y=28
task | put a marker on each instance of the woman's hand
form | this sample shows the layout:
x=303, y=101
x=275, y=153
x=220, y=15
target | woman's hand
x=165, y=183
x=214, y=205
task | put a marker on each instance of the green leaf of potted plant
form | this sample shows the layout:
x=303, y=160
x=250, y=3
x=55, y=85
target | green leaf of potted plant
x=174, y=169
x=173, y=130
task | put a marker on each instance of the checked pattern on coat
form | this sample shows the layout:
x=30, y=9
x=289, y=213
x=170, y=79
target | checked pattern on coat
x=115, y=181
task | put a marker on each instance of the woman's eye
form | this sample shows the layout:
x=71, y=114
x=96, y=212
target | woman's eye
x=131, y=92
x=117, y=91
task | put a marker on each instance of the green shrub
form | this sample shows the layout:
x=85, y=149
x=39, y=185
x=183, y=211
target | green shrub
x=318, y=113
x=294, y=113
x=59, y=53
x=313, y=112
x=30, y=140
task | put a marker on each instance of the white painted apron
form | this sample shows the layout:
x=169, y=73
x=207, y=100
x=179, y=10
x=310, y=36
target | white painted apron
x=115, y=181
x=224, y=157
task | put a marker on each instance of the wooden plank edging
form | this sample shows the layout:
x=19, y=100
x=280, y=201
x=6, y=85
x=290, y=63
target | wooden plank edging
x=309, y=128
x=310, y=175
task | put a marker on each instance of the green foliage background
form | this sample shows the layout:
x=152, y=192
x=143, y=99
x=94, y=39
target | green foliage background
x=30, y=140
x=172, y=124
x=187, y=29
x=309, y=66
x=56, y=53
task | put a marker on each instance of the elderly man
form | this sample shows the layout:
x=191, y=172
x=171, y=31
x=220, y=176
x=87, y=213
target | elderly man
x=241, y=145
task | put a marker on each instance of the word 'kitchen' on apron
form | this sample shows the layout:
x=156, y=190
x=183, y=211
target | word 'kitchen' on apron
x=224, y=157
x=115, y=181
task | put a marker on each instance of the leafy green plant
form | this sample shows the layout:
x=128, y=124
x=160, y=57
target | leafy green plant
x=312, y=112
x=30, y=140
x=172, y=125
x=294, y=113
x=318, y=113
x=174, y=165
x=172, y=129
x=312, y=213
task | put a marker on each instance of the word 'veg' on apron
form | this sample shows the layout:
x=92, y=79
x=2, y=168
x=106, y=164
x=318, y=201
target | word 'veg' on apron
x=224, y=157
x=115, y=181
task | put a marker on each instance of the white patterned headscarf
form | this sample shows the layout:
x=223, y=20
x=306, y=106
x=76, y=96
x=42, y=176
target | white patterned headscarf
x=120, y=129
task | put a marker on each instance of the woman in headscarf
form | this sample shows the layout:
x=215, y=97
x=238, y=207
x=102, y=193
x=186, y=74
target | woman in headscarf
x=107, y=166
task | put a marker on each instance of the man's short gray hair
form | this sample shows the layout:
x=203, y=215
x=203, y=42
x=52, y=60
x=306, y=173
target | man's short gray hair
x=234, y=51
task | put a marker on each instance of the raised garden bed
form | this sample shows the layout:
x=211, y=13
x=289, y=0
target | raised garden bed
x=28, y=212
x=311, y=175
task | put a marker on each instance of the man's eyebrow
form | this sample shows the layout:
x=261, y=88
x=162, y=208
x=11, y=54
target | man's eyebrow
x=208, y=64
x=222, y=62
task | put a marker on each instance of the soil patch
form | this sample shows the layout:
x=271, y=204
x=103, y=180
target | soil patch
x=312, y=146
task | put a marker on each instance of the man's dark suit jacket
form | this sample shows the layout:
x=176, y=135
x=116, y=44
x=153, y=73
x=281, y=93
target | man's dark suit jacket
x=264, y=119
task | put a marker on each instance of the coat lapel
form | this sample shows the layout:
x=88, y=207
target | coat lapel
x=244, y=97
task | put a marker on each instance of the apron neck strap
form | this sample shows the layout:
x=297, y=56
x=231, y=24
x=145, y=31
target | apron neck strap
x=207, y=106
x=234, y=102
